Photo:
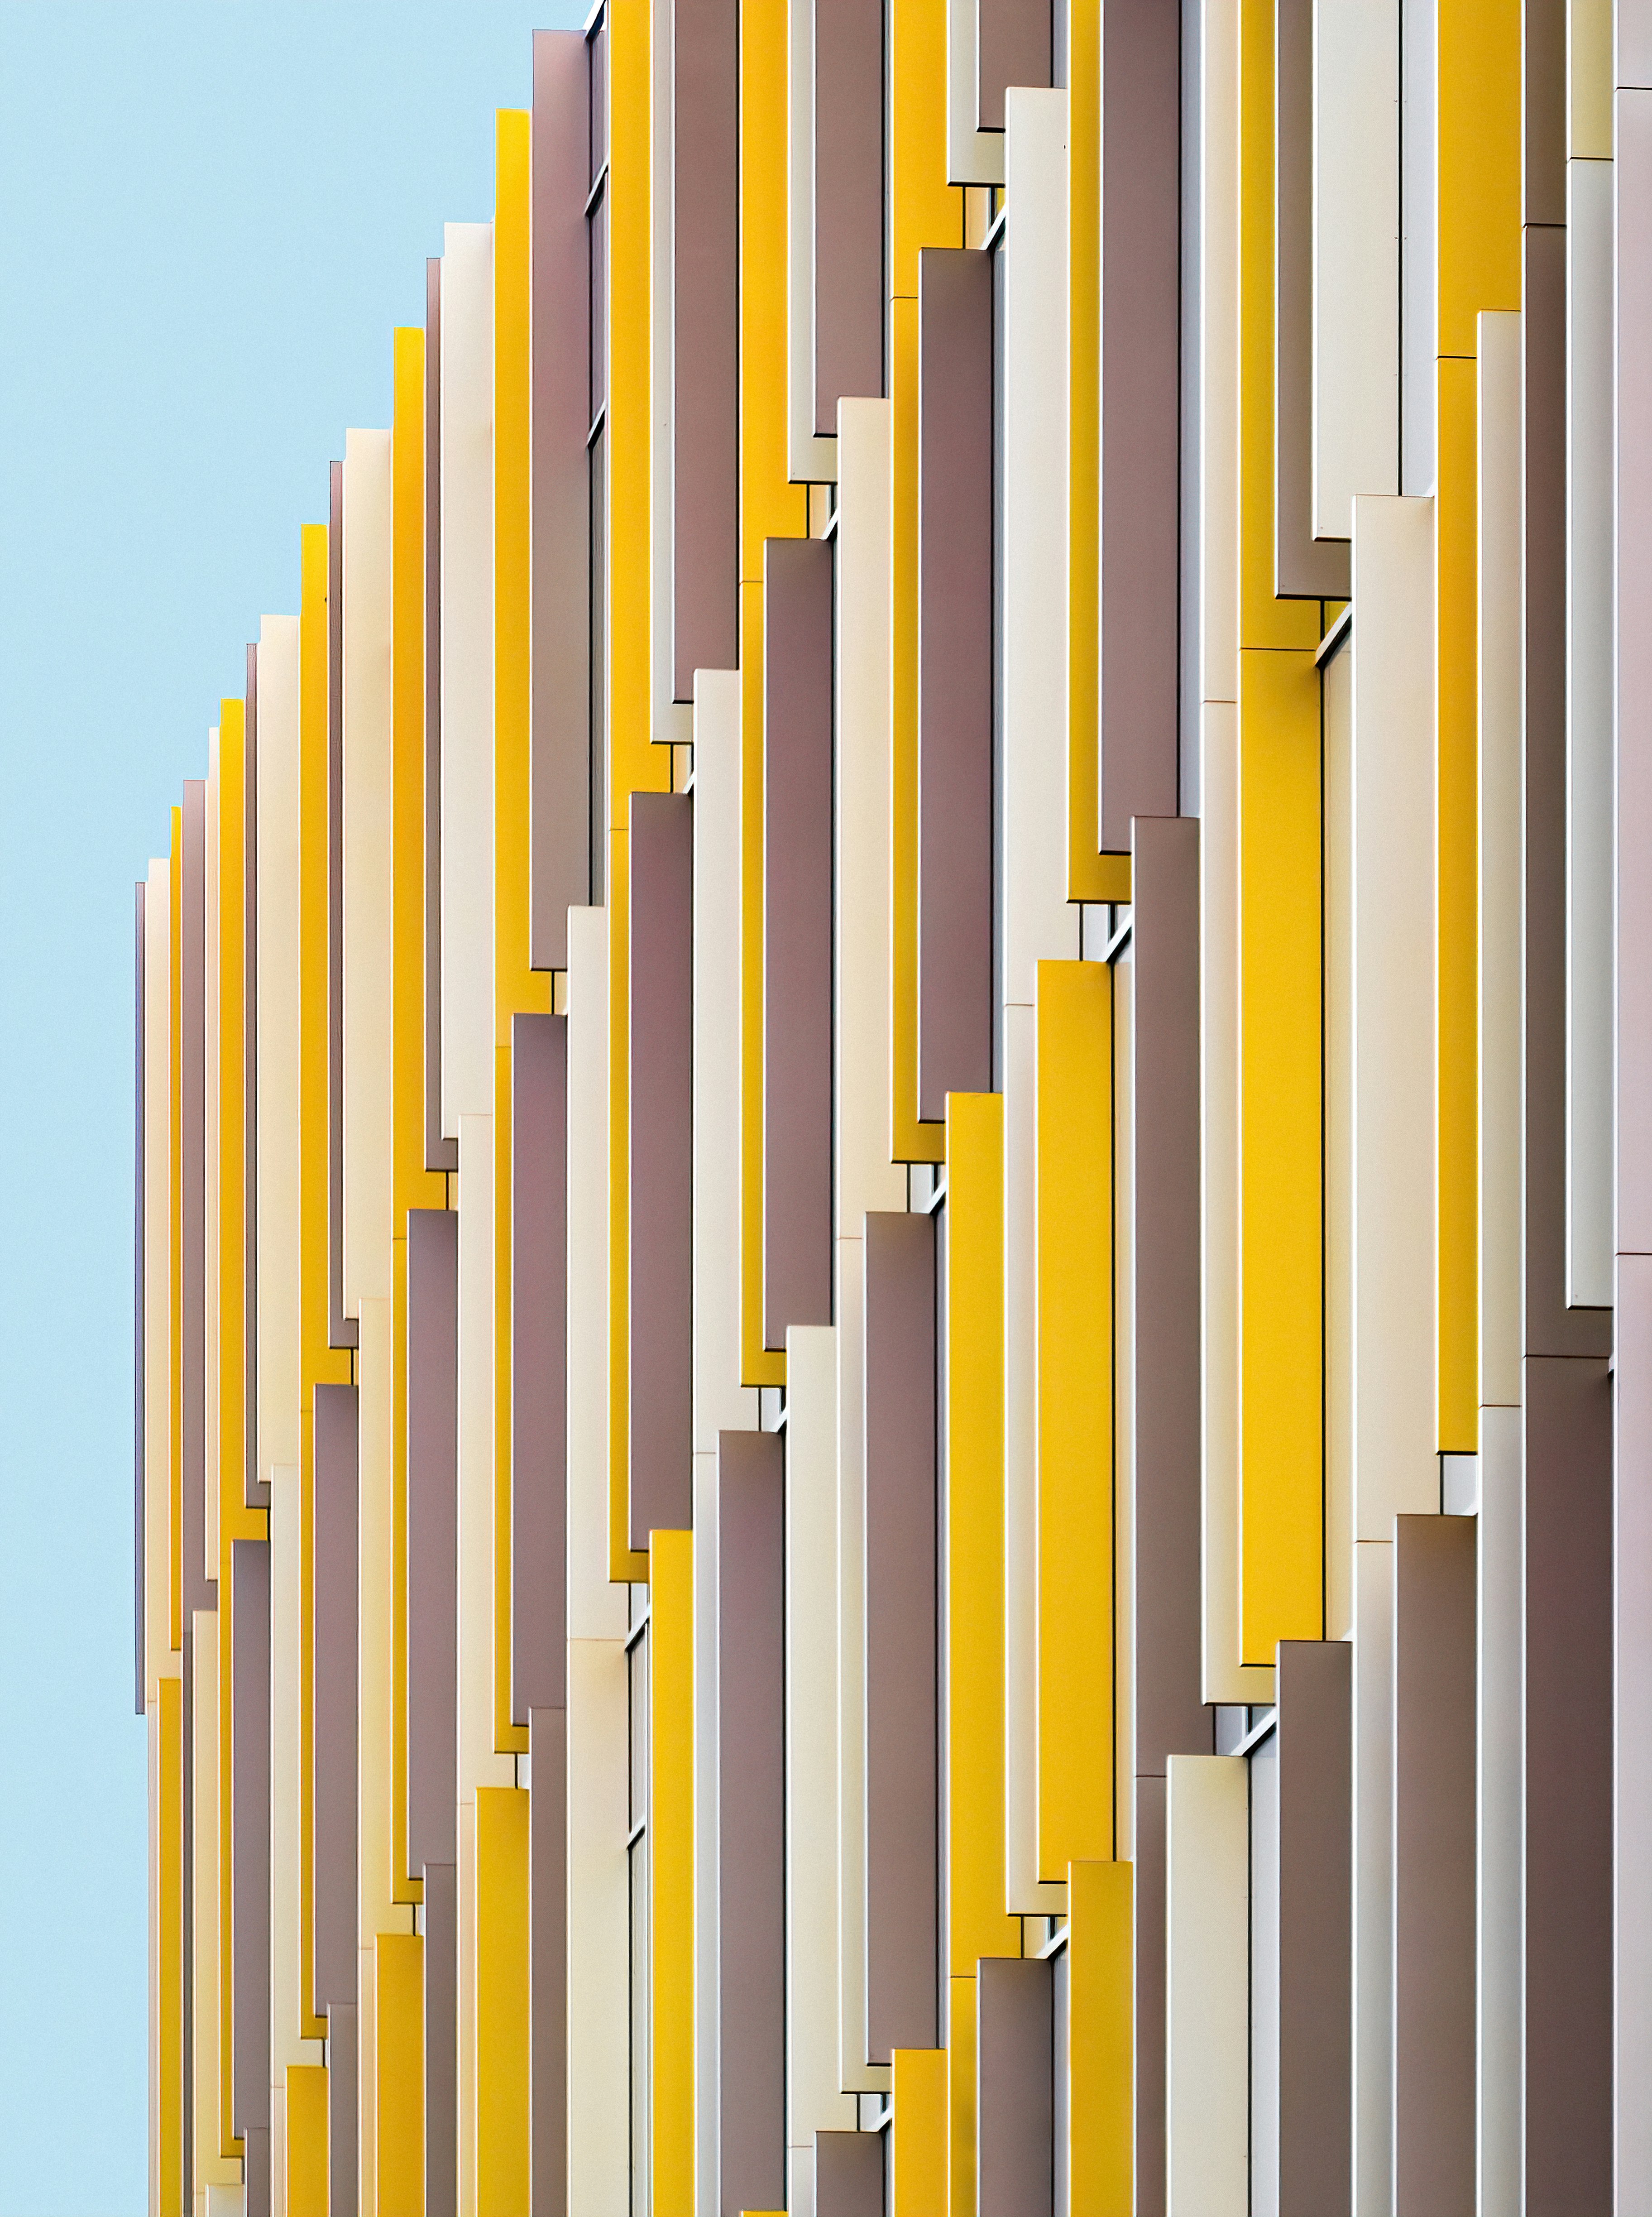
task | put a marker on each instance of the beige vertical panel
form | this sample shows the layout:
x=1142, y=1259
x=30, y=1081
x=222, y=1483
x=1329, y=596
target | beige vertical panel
x=1038, y=921
x=1356, y=308
x=1418, y=307
x=1336, y=727
x=1373, y=1875
x=1395, y=1465
x=1500, y=858
x=367, y=870
x=158, y=1275
x=1590, y=570
x=974, y=157
x=1500, y=1771
x=210, y=1159
x=1219, y=354
x=1207, y=1925
x=279, y=1387
x=810, y=457
x=467, y=1027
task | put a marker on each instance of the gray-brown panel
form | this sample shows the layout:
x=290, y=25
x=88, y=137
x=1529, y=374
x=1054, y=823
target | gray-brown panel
x=661, y=1162
x=439, y=1153
x=705, y=339
x=561, y=752
x=902, y=1768
x=249, y=1819
x=538, y=1365
x=1141, y=337
x=335, y=1534
x=1632, y=179
x=1013, y=45
x=797, y=935
x=432, y=1535
x=848, y=2175
x=1435, y=1685
x=848, y=205
x=440, y=2040
x=257, y=2170
x=751, y=1821
x=547, y=1924
x=1304, y=567
x=343, y=2175
x=954, y=675
x=1316, y=1748
x=1014, y=2087
x=138, y=1367
x=1569, y=1787
x=1550, y=1327
x=1543, y=103
x=1147, y=1960
x=341, y=1331
x=256, y=1487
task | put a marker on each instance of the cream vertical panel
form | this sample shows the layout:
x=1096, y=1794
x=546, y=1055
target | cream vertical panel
x=1336, y=728
x=810, y=458
x=1373, y=1875
x=158, y=1278
x=1207, y=1984
x=599, y=1933
x=467, y=1071
x=210, y=1157
x=280, y=1383
x=1356, y=258
x=864, y=1177
x=973, y=157
x=1590, y=523
x=1038, y=922
x=366, y=869
x=1500, y=1792
x=1419, y=304
x=1395, y=1468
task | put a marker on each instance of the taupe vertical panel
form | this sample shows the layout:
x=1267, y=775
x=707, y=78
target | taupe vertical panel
x=250, y=1813
x=954, y=675
x=432, y=1535
x=1631, y=1705
x=1015, y=2088
x=343, y=2176
x=547, y=1900
x=439, y=1153
x=1544, y=88
x=257, y=2170
x=539, y=1364
x=560, y=678
x=900, y=1725
x=1569, y=1787
x=849, y=200
x=1434, y=1873
x=797, y=935
x=1550, y=1327
x=1316, y=1749
x=1014, y=41
x=661, y=1162
x=1304, y=566
x=1140, y=330
x=341, y=1331
x=848, y=2175
x=440, y=2041
x=751, y=1821
x=336, y=1569
x=1151, y=1972
x=705, y=339
x=256, y=1494
x=137, y=1367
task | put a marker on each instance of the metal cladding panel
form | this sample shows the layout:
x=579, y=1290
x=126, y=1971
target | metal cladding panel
x=848, y=204
x=538, y=1365
x=336, y=1528
x=1435, y=1569
x=139, y=1365
x=257, y=1492
x=751, y=1820
x=341, y=1331
x=1149, y=1983
x=902, y=1760
x=1141, y=341
x=1316, y=1926
x=1544, y=88
x=257, y=2171
x=432, y=1535
x=561, y=556
x=705, y=339
x=547, y=1911
x=200, y=1592
x=954, y=675
x=1014, y=2087
x=249, y=1774
x=848, y=2175
x=439, y=1153
x=1569, y=1787
x=662, y=1164
x=1632, y=177
x=797, y=935
x=1014, y=45
x=440, y=2040
x=344, y=2144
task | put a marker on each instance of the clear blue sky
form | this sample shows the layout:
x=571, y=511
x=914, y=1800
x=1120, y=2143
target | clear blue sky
x=210, y=219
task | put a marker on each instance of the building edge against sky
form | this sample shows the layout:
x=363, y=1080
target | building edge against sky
x=888, y=1130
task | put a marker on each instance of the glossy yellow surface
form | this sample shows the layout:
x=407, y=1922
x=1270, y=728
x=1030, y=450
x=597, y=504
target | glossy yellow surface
x=960, y=2096
x=174, y=941
x=918, y=2151
x=168, y=1881
x=398, y=2078
x=502, y=2019
x=671, y=1867
x=307, y=2141
x=1099, y=2038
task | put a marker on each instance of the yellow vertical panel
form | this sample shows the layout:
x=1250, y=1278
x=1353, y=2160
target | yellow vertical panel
x=174, y=941
x=1477, y=164
x=1282, y=1330
x=306, y=2139
x=1100, y=2101
x=671, y=1867
x=918, y=2158
x=169, y=1880
x=924, y=209
x=502, y=2002
x=398, y=2081
x=978, y=1925
x=1074, y=1236
x=624, y=1561
x=960, y=2096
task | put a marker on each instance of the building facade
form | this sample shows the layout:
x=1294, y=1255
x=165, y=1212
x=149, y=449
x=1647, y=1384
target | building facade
x=895, y=1214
